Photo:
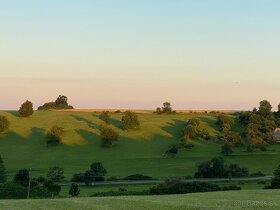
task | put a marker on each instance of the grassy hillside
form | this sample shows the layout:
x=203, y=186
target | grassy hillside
x=249, y=200
x=137, y=151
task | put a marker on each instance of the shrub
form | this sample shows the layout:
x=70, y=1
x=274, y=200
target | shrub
x=26, y=109
x=112, y=178
x=105, y=116
x=74, y=190
x=3, y=174
x=40, y=179
x=225, y=123
x=180, y=187
x=96, y=173
x=54, y=136
x=9, y=190
x=40, y=192
x=172, y=150
x=138, y=177
x=55, y=174
x=108, y=135
x=4, y=124
x=22, y=177
x=79, y=177
x=275, y=182
x=130, y=120
x=216, y=168
x=52, y=187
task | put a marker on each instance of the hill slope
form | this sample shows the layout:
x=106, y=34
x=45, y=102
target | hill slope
x=137, y=151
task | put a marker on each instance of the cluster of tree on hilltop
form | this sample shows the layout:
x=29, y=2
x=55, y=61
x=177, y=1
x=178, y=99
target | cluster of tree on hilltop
x=60, y=103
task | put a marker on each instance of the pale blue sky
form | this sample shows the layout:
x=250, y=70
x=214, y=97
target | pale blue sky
x=199, y=54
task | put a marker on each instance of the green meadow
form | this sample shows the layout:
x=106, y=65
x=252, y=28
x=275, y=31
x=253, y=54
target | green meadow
x=137, y=151
x=230, y=200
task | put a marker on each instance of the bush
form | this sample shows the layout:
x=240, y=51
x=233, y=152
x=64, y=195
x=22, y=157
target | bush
x=257, y=174
x=55, y=174
x=52, y=187
x=96, y=173
x=225, y=123
x=105, y=116
x=180, y=187
x=74, y=190
x=40, y=179
x=3, y=174
x=108, y=135
x=26, y=109
x=9, y=190
x=130, y=120
x=112, y=178
x=172, y=150
x=138, y=177
x=39, y=192
x=54, y=136
x=4, y=124
x=22, y=177
x=275, y=182
x=79, y=177
x=216, y=168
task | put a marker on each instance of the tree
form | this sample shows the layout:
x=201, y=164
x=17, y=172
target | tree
x=52, y=187
x=108, y=135
x=265, y=109
x=95, y=173
x=105, y=116
x=4, y=124
x=167, y=108
x=158, y=110
x=278, y=108
x=56, y=174
x=54, y=136
x=225, y=123
x=61, y=101
x=74, y=190
x=130, y=120
x=227, y=149
x=26, y=109
x=275, y=182
x=22, y=177
x=3, y=174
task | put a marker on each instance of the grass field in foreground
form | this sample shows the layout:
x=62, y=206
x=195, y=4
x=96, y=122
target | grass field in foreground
x=137, y=151
x=248, y=199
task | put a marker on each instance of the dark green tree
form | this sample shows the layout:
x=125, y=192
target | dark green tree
x=226, y=149
x=3, y=174
x=22, y=177
x=26, y=109
x=52, y=187
x=105, y=116
x=61, y=101
x=275, y=182
x=4, y=124
x=74, y=190
x=130, y=120
x=265, y=109
x=55, y=174
x=167, y=108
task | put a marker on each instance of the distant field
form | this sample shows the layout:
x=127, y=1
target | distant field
x=138, y=151
x=230, y=200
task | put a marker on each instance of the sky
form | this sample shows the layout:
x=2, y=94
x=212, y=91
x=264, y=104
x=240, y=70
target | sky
x=137, y=54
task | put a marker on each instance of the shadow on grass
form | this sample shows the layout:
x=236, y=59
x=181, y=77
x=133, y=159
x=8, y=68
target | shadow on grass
x=14, y=113
x=175, y=128
x=116, y=123
x=88, y=122
x=89, y=136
